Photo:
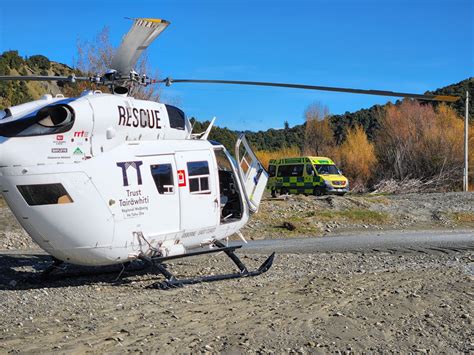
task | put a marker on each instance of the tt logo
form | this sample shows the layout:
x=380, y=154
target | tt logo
x=134, y=164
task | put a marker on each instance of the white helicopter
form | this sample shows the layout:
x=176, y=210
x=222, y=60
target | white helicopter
x=106, y=179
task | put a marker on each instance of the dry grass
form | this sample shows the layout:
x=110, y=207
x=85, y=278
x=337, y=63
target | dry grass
x=463, y=217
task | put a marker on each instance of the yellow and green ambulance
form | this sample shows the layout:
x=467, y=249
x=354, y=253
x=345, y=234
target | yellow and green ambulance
x=306, y=175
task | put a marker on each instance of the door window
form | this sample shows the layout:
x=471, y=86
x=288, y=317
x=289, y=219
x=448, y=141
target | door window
x=163, y=177
x=198, y=172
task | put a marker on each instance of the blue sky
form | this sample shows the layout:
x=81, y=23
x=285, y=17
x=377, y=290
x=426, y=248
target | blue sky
x=404, y=45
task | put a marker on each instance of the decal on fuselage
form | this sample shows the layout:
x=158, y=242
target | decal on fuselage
x=134, y=164
x=134, y=117
x=81, y=134
x=181, y=178
x=135, y=203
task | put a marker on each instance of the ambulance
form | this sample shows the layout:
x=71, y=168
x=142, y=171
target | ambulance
x=306, y=175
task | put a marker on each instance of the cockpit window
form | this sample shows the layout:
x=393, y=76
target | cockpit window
x=5, y=113
x=176, y=116
x=51, y=119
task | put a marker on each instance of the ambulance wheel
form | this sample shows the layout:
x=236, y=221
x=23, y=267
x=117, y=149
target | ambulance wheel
x=317, y=191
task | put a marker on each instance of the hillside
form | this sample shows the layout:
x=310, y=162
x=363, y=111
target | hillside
x=14, y=93
x=17, y=92
x=275, y=139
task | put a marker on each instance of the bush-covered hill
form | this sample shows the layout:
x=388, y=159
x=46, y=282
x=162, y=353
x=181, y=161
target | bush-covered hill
x=16, y=92
x=275, y=139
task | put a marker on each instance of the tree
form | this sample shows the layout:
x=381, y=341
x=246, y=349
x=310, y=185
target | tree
x=356, y=156
x=96, y=58
x=318, y=137
x=12, y=59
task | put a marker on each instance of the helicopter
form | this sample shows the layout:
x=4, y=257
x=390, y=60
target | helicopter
x=105, y=178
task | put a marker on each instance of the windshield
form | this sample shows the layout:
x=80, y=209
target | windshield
x=327, y=169
x=47, y=120
x=5, y=113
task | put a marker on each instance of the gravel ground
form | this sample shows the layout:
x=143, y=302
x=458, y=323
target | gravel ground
x=307, y=303
x=332, y=215
x=304, y=304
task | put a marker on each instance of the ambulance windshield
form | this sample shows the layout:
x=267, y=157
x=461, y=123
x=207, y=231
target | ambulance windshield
x=327, y=169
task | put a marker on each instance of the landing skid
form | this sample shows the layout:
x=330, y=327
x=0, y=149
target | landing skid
x=50, y=269
x=173, y=282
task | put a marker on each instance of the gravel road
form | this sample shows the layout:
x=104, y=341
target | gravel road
x=426, y=242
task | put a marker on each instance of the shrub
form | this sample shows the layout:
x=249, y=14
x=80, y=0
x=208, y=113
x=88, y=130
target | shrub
x=39, y=61
x=12, y=59
x=415, y=140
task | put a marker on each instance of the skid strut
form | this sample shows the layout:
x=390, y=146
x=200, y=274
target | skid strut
x=172, y=282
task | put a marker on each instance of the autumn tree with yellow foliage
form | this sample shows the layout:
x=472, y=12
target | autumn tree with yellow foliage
x=356, y=156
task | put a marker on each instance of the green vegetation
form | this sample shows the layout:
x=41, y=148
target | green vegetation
x=39, y=61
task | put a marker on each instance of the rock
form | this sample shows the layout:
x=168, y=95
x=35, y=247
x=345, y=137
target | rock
x=288, y=225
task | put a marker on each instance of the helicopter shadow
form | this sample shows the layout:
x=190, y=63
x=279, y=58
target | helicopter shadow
x=27, y=271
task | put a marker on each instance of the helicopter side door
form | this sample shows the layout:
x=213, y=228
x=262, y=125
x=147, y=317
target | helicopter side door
x=166, y=195
x=251, y=173
x=198, y=189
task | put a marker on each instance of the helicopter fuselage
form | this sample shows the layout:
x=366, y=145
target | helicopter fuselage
x=104, y=179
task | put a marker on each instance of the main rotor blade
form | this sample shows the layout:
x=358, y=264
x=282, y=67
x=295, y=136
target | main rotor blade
x=70, y=78
x=445, y=98
x=143, y=32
